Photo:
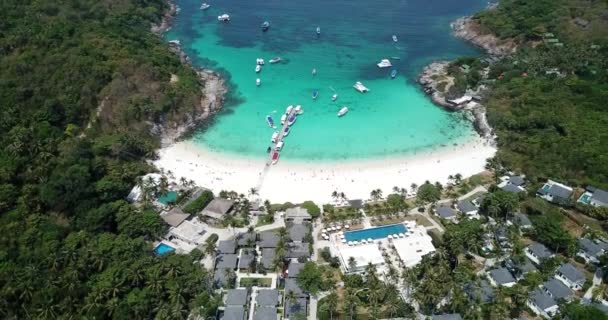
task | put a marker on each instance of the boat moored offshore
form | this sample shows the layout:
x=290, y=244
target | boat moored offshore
x=265, y=26
x=384, y=63
x=291, y=119
x=342, y=111
x=258, y=68
x=334, y=97
x=288, y=110
x=286, y=132
x=283, y=119
x=259, y=62
x=395, y=38
x=274, y=137
x=258, y=82
x=318, y=30
x=299, y=110
x=270, y=121
x=360, y=87
x=205, y=6
x=225, y=17
x=315, y=94
x=393, y=74
x=279, y=146
x=275, y=60
x=314, y=72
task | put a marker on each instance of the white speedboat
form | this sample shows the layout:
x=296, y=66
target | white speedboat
x=384, y=63
x=283, y=119
x=225, y=17
x=258, y=82
x=205, y=6
x=275, y=135
x=286, y=132
x=265, y=26
x=275, y=60
x=314, y=72
x=258, y=68
x=279, y=146
x=360, y=87
x=288, y=110
x=395, y=38
x=299, y=109
x=291, y=119
x=342, y=111
x=318, y=30
x=259, y=62
x=334, y=97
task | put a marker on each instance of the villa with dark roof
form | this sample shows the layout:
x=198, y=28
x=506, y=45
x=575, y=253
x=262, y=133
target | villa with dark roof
x=265, y=313
x=267, y=298
x=480, y=291
x=522, y=221
x=297, y=232
x=226, y=247
x=446, y=213
x=245, y=260
x=267, y=258
x=519, y=269
x=555, y=192
x=297, y=215
x=570, y=276
x=234, y=313
x=513, y=184
x=217, y=209
x=557, y=290
x=467, y=208
x=542, y=304
x=268, y=239
x=591, y=250
x=537, y=252
x=594, y=197
x=501, y=277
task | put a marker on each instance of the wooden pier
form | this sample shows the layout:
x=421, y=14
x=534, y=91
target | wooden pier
x=281, y=135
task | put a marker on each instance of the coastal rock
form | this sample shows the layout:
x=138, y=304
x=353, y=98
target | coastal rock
x=436, y=82
x=166, y=21
x=469, y=29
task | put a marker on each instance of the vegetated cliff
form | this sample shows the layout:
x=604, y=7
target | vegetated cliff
x=469, y=29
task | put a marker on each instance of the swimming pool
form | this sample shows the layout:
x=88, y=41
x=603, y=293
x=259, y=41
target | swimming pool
x=168, y=198
x=375, y=233
x=163, y=249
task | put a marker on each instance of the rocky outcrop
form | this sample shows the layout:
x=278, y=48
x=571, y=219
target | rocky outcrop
x=212, y=100
x=469, y=29
x=436, y=82
x=166, y=21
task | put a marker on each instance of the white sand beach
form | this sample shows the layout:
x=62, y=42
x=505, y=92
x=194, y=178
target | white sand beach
x=297, y=181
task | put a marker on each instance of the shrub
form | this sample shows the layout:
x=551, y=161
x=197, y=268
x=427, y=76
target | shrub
x=312, y=208
x=199, y=203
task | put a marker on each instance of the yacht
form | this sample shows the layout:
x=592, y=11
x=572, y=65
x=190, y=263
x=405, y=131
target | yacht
x=275, y=60
x=395, y=38
x=275, y=135
x=275, y=157
x=291, y=119
x=286, y=132
x=258, y=82
x=205, y=6
x=288, y=110
x=265, y=26
x=393, y=74
x=384, y=63
x=283, y=119
x=315, y=94
x=279, y=146
x=299, y=109
x=334, y=97
x=259, y=62
x=225, y=17
x=318, y=30
x=360, y=87
x=342, y=111
x=270, y=121
x=258, y=68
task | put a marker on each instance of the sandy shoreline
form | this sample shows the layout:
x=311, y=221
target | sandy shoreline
x=297, y=181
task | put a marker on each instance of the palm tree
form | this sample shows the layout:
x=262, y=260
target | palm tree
x=332, y=303
x=210, y=248
x=458, y=178
x=342, y=196
x=352, y=264
x=334, y=195
x=291, y=296
x=253, y=192
x=230, y=276
x=183, y=181
x=413, y=187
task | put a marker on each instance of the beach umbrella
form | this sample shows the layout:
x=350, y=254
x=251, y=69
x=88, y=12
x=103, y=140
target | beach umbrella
x=355, y=242
x=333, y=228
x=395, y=236
x=401, y=235
x=346, y=227
x=370, y=240
x=338, y=227
x=350, y=243
x=343, y=240
x=364, y=241
x=390, y=236
x=324, y=230
x=342, y=236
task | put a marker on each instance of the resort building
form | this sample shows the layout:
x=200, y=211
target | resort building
x=269, y=239
x=246, y=239
x=234, y=313
x=513, y=184
x=267, y=259
x=468, y=208
x=594, y=197
x=294, y=269
x=555, y=192
x=519, y=269
x=236, y=301
x=406, y=242
x=246, y=260
x=446, y=213
x=297, y=250
x=542, y=304
x=501, y=277
x=267, y=298
x=522, y=221
x=297, y=305
x=297, y=232
x=226, y=247
x=174, y=217
x=297, y=215
x=190, y=232
x=265, y=313
x=217, y=209
x=570, y=276
x=590, y=250
x=557, y=290
x=480, y=291
x=478, y=198
x=537, y=252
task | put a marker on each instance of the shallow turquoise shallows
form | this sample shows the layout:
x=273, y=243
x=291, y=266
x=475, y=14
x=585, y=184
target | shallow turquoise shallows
x=394, y=118
x=375, y=233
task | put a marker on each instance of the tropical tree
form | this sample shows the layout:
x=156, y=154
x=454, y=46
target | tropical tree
x=352, y=264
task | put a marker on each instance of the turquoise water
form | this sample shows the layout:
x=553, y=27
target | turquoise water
x=395, y=117
x=375, y=233
x=163, y=249
x=168, y=198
